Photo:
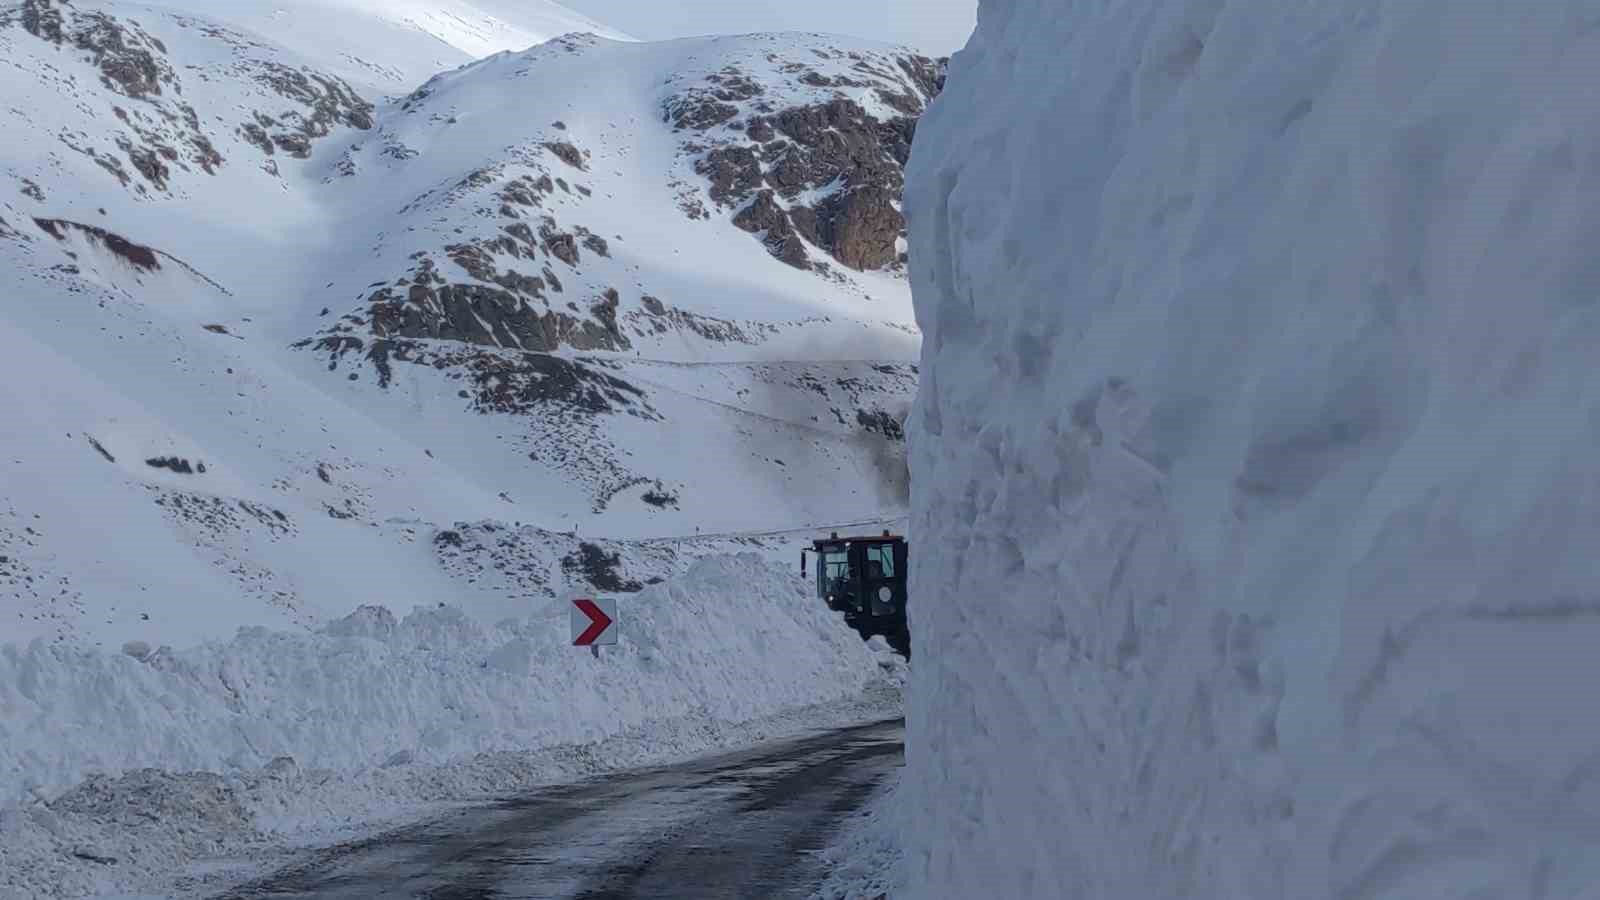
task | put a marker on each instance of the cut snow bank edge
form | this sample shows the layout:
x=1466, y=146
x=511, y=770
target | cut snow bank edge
x=1254, y=458
x=733, y=639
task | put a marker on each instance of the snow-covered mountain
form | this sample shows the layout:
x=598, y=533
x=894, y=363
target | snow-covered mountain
x=1257, y=435
x=385, y=47
x=291, y=325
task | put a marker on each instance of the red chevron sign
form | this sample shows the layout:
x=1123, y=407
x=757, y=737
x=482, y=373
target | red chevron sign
x=592, y=621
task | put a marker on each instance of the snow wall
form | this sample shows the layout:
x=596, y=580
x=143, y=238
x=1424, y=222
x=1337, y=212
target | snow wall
x=734, y=639
x=1256, y=464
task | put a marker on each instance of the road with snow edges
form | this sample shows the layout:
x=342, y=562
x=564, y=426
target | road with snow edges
x=736, y=825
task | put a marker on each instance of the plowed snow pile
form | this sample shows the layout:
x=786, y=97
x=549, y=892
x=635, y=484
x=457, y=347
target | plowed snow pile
x=1257, y=443
x=735, y=639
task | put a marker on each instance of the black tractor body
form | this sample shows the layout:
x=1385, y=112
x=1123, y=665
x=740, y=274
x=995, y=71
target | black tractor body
x=865, y=578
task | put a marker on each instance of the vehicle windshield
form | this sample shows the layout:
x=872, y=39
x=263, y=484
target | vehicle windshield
x=835, y=570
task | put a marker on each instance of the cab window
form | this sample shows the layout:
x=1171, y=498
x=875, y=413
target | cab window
x=881, y=554
x=835, y=567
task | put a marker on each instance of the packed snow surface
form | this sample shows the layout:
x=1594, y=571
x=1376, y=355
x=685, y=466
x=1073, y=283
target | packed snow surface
x=733, y=639
x=864, y=857
x=1254, y=459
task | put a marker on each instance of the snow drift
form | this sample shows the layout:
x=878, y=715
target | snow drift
x=1256, y=438
x=734, y=639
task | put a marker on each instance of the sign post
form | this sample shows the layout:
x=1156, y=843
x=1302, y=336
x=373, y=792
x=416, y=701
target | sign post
x=594, y=622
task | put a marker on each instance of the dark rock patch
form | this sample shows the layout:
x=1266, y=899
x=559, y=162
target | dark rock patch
x=131, y=62
x=175, y=464
x=659, y=318
x=505, y=311
x=660, y=497
x=879, y=422
x=567, y=153
x=500, y=382
x=765, y=218
x=137, y=255
x=325, y=102
x=831, y=147
x=560, y=244
x=100, y=449
x=734, y=172
x=599, y=569
x=595, y=243
x=526, y=190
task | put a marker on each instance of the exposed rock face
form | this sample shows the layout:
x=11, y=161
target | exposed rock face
x=733, y=171
x=599, y=569
x=567, y=153
x=136, y=255
x=827, y=172
x=859, y=228
x=510, y=312
x=499, y=381
x=878, y=421
x=326, y=102
x=766, y=218
x=159, y=135
x=658, y=318
x=140, y=257
x=131, y=62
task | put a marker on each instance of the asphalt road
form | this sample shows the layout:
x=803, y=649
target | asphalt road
x=739, y=825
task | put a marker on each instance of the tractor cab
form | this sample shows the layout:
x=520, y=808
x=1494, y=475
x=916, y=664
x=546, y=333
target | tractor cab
x=864, y=578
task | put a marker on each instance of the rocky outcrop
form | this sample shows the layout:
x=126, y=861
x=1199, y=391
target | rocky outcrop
x=657, y=317
x=131, y=62
x=508, y=311
x=567, y=153
x=136, y=255
x=322, y=102
x=859, y=228
x=496, y=381
x=827, y=173
x=879, y=422
x=158, y=134
x=767, y=219
x=733, y=172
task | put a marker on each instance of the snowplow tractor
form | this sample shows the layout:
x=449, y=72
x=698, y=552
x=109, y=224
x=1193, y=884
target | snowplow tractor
x=865, y=578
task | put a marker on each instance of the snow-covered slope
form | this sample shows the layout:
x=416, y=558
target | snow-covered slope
x=1254, y=459
x=269, y=335
x=389, y=46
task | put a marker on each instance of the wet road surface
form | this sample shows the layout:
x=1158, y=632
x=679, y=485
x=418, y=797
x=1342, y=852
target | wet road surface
x=739, y=825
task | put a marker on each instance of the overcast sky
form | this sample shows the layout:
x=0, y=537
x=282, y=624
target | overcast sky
x=933, y=26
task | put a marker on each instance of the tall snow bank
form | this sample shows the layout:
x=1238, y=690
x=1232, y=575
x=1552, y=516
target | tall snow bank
x=1255, y=464
x=734, y=639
